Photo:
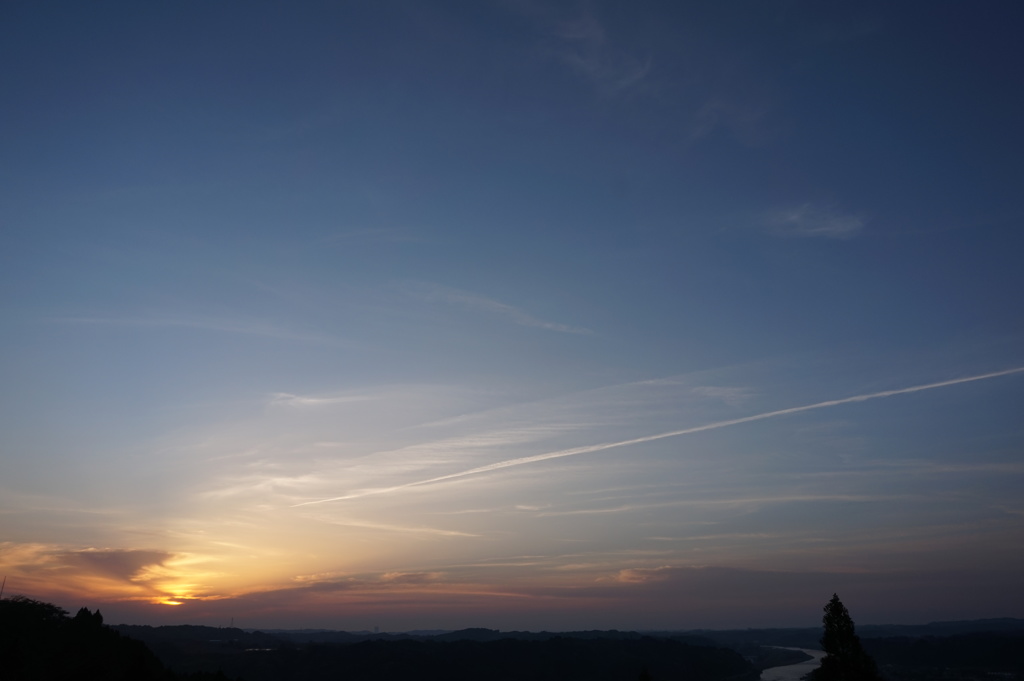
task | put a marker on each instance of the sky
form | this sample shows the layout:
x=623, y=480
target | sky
x=514, y=314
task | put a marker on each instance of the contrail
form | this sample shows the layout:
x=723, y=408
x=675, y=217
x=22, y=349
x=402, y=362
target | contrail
x=587, y=449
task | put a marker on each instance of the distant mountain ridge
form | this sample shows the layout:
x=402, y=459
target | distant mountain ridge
x=994, y=624
x=467, y=654
x=164, y=639
x=941, y=628
x=905, y=652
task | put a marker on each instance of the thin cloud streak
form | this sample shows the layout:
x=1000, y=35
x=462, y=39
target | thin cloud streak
x=808, y=220
x=587, y=52
x=204, y=324
x=471, y=301
x=588, y=449
x=290, y=400
x=395, y=528
x=731, y=502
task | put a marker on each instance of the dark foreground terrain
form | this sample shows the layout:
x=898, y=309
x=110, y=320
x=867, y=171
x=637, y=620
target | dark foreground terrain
x=984, y=650
x=41, y=642
x=976, y=650
x=467, y=655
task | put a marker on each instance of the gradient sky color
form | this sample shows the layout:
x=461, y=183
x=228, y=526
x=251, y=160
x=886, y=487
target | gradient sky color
x=516, y=314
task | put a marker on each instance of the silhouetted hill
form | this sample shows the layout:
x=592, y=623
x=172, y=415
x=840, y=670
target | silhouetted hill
x=981, y=655
x=39, y=642
x=994, y=625
x=478, y=634
x=189, y=639
x=470, y=654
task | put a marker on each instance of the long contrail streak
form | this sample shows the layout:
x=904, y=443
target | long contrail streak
x=587, y=449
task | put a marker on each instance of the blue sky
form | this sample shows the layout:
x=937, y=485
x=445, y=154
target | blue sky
x=397, y=255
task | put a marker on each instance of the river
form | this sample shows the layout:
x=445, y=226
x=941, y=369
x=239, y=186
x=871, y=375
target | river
x=794, y=672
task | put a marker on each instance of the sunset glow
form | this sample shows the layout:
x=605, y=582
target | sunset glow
x=422, y=315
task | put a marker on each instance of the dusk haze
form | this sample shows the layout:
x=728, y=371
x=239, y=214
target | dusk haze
x=528, y=315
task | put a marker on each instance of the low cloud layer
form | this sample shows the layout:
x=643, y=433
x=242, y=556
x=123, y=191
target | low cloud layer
x=669, y=596
x=105, y=573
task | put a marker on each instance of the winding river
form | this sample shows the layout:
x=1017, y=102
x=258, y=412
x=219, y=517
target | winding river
x=794, y=672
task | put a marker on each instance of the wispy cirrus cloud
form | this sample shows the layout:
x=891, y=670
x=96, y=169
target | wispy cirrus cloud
x=585, y=48
x=374, y=235
x=810, y=220
x=577, y=38
x=747, y=503
x=743, y=113
x=290, y=400
x=732, y=396
x=217, y=324
x=436, y=293
x=411, y=577
x=589, y=449
x=401, y=529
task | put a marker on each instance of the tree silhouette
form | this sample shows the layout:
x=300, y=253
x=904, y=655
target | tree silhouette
x=845, y=659
x=39, y=642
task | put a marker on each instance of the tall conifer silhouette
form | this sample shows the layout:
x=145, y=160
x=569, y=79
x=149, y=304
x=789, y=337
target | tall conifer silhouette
x=845, y=659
